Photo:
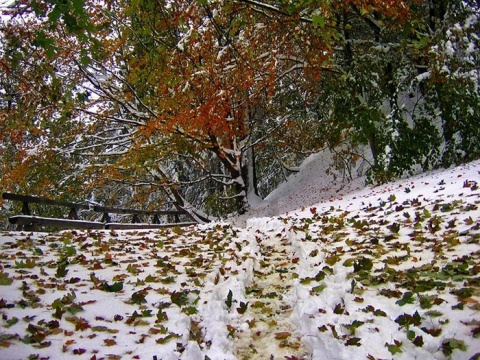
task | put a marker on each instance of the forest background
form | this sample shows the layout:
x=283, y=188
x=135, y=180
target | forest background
x=210, y=104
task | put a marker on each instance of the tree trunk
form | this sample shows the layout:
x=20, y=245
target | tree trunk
x=251, y=172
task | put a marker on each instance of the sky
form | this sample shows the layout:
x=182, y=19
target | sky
x=322, y=269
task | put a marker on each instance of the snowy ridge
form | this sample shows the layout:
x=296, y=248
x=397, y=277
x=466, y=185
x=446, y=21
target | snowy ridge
x=387, y=272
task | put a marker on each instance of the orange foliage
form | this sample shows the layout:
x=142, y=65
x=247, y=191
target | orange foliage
x=396, y=10
x=192, y=75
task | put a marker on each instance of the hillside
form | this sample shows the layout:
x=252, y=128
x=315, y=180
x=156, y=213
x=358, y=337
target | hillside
x=356, y=273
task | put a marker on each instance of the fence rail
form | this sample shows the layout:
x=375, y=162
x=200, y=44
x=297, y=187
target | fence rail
x=28, y=221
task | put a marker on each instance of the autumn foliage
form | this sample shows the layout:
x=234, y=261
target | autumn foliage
x=173, y=96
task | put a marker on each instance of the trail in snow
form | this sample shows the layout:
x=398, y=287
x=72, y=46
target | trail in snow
x=272, y=333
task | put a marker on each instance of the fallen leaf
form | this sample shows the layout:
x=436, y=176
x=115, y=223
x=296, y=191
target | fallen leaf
x=283, y=335
x=109, y=342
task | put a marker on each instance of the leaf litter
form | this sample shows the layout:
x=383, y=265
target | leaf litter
x=382, y=273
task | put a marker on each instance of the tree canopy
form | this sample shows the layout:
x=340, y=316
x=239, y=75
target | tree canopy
x=210, y=103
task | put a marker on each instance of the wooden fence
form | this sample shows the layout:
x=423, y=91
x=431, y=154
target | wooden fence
x=28, y=221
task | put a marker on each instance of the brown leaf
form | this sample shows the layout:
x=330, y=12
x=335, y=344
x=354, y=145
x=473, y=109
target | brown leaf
x=282, y=335
x=154, y=331
x=109, y=342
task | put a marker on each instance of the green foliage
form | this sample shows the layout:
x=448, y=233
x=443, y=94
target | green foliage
x=219, y=204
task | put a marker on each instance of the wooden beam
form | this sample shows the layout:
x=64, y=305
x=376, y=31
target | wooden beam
x=35, y=221
x=113, y=210
x=41, y=200
x=125, y=226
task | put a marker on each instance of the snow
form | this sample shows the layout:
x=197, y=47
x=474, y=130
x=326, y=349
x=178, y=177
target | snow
x=322, y=269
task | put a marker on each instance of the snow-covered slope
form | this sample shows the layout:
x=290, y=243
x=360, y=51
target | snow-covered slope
x=316, y=272
x=311, y=185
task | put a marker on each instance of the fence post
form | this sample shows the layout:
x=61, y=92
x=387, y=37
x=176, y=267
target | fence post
x=26, y=209
x=72, y=215
x=106, y=218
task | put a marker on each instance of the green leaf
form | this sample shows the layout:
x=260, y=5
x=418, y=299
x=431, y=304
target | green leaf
x=62, y=269
x=179, y=298
x=55, y=14
x=147, y=313
x=4, y=279
x=45, y=42
x=405, y=320
x=164, y=340
x=449, y=345
x=28, y=264
x=354, y=341
x=464, y=293
x=138, y=297
x=320, y=275
x=318, y=20
x=394, y=228
x=11, y=322
x=70, y=250
x=354, y=326
x=77, y=6
x=339, y=309
x=150, y=278
x=190, y=310
x=433, y=313
x=332, y=260
x=161, y=316
x=133, y=269
x=228, y=302
x=406, y=299
x=318, y=289
x=116, y=287
x=376, y=312
x=352, y=286
x=73, y=309
x=394, y=348
x=362, y=264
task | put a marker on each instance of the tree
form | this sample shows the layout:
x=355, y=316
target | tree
x=172, y=83
x=203, y=102
x=395, y=94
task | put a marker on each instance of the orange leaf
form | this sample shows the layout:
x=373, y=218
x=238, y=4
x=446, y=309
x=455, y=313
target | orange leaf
x=110, y=342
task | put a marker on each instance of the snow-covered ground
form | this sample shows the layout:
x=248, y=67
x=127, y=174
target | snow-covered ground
x=321, y=270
